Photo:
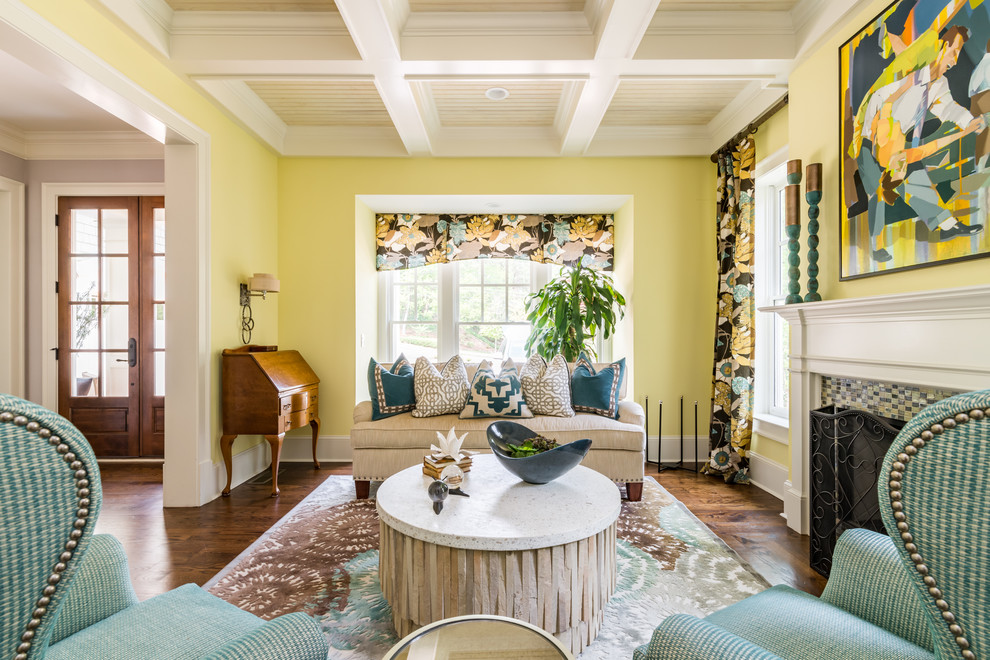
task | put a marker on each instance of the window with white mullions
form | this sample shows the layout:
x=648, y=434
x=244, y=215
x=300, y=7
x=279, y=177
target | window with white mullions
x=772, y=332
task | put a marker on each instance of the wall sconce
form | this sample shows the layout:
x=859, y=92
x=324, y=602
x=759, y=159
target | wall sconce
x=260, y=284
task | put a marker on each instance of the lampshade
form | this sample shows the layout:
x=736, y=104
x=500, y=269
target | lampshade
x=263, y=282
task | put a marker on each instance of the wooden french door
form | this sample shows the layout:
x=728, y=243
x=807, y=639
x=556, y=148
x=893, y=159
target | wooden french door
x=111, y=322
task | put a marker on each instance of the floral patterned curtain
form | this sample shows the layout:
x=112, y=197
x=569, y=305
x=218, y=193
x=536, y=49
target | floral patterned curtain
x=408, y=240
x=732, y=379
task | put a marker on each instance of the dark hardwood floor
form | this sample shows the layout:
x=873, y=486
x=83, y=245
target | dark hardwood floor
x=170, y=547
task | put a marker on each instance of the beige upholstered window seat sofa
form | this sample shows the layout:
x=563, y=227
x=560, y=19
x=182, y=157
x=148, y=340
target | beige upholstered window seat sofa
x=383, y=447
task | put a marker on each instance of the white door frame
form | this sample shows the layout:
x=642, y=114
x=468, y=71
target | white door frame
x=12, y=321
x=189, y=476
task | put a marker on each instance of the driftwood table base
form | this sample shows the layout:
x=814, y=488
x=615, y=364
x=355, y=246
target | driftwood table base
x=562, y=589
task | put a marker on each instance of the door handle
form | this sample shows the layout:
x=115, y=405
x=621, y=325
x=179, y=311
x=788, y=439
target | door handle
x=131, y=353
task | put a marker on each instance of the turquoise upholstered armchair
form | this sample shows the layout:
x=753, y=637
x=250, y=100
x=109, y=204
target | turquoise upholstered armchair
x=66, y=593
x=922, y=592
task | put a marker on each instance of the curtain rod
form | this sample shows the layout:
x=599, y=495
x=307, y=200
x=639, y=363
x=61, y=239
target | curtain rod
x=753, y=125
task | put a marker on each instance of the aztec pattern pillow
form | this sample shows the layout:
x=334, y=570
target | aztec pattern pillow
x=391, y=390
x=440, y=392
x=496, y=397
x=597, y=393
x=547, y=387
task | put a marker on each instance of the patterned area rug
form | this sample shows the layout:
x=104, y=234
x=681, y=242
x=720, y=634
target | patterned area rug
x=322, y=558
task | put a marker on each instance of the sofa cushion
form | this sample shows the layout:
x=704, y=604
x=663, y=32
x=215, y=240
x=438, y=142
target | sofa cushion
x=547, y=387
x=391, y=390
x=440, y=392
x=407, y=432
x=492, y=396
x=597, y=392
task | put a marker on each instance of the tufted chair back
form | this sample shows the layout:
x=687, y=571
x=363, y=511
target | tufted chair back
x=935, y=501
x=50, y=495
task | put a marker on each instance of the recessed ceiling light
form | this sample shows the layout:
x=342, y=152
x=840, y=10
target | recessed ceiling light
x=497, y=93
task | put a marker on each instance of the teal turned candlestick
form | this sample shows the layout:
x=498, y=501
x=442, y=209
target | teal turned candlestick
x=792, y=228
x=813, y=195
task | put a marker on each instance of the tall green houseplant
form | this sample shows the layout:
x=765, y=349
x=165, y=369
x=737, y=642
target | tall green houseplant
x=569, y=312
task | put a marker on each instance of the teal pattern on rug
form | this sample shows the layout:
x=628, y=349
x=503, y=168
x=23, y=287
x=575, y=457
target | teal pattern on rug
x=321, y=558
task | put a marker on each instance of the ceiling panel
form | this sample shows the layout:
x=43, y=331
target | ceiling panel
x=528, y=104
x=324, y=102
x=252, y=5
x=676, y=102
x=502, y=5
x=722, y=5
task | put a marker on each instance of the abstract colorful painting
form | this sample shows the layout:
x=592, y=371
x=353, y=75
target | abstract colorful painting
x=914, y=88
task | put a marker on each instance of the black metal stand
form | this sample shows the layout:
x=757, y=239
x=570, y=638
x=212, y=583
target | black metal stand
x=647, y=409
x=679, y=465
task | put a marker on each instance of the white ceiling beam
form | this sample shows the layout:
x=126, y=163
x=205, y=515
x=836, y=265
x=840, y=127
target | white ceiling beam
x=618, y=32
x=151, y=20
x=248, y=109
x=749, y=104
x=375, y=31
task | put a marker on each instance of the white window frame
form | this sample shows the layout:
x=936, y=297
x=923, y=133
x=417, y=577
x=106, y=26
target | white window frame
x=770, y=420
x=448, y=311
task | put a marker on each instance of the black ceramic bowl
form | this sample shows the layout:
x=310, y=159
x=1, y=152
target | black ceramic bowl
x=537, y=469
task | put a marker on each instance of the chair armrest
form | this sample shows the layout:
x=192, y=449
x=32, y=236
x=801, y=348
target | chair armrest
x=362, y=412
x=294, y=636
x=101, y=588
x=631, y=412
x=685, y=637
x=868, y=579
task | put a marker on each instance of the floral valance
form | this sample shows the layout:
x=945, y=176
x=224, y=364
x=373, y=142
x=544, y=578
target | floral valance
x=407, y=240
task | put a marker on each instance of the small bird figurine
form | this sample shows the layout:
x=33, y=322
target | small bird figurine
x=438, y=493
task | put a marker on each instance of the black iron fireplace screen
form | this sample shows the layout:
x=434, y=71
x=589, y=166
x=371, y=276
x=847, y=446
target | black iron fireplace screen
x=847, y=451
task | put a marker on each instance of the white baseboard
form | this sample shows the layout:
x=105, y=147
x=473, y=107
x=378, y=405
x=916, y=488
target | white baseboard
x=244, y=466
x=671, y=447
x=329, y=448
x=796, y=509
x=768, y=475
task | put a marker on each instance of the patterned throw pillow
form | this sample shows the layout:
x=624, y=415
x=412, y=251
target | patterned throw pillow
x=547, y=387
x=440, y=392
x=391, y=390
x=597, y=393
x=496, y=397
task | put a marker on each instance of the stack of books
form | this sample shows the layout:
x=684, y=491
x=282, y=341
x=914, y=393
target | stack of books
x=433, y=464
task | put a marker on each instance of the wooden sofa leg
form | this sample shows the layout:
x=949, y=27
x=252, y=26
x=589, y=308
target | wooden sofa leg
x=634, y=490
x=362, y=489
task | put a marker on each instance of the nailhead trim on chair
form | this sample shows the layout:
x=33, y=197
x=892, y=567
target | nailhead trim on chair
x=82, y=514
x=896, y=475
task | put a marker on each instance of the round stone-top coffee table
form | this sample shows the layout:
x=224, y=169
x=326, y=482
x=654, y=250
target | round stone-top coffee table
x=544, y=554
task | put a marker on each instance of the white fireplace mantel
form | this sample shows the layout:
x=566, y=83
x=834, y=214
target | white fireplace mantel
x=929, y=338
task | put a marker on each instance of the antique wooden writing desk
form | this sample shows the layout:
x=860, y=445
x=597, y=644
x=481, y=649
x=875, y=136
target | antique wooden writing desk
x=267, y=392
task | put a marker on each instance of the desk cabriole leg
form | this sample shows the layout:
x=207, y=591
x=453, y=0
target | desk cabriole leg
x=226, y=441
x=315, y=423
x=276, y=443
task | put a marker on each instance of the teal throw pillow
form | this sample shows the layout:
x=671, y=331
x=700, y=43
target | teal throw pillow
x=597, y=393
x=496, y=397
x=391, y=390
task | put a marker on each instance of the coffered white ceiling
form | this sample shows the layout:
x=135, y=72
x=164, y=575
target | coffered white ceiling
x=408, y=77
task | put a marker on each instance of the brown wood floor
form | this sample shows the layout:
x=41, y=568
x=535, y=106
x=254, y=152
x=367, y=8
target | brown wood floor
x=170, y=547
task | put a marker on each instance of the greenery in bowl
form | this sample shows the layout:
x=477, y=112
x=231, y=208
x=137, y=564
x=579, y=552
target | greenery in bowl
x=532, y=446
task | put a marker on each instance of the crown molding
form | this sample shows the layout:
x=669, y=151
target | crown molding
x=91, y=145
x=257, y=24
x=343, y=141
x=748, y=104
x=626, y=141
x=804, y=12
x=151, y=20
x=12, y=141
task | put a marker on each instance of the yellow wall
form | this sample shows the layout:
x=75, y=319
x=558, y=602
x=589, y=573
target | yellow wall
x=814, y=137
x=664, y=259
x=243, y=175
